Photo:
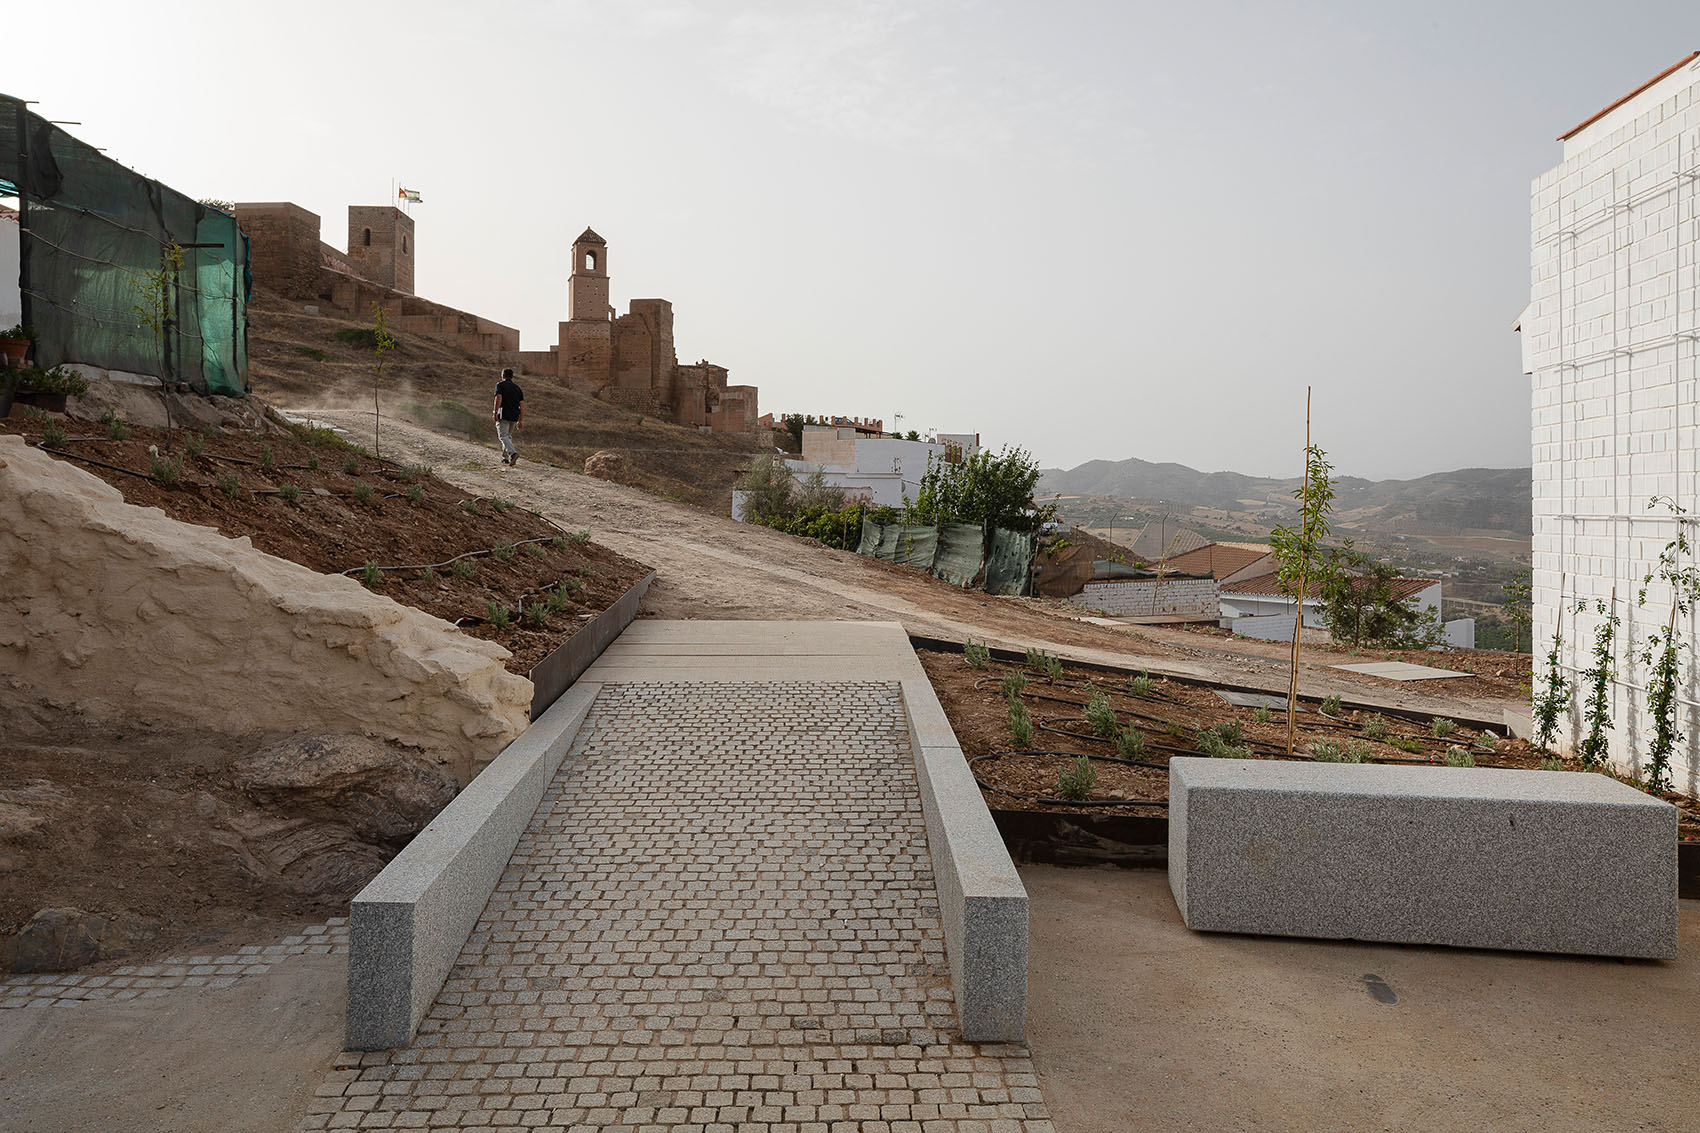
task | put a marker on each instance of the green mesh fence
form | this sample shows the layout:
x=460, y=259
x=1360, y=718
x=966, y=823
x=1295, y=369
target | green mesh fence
x=94, y=235
x=953, y=552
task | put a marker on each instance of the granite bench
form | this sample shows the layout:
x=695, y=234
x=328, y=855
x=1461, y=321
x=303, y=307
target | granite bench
x=1536, y=861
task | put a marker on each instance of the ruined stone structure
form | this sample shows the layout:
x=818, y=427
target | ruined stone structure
x=630, y=359
x=290, y=260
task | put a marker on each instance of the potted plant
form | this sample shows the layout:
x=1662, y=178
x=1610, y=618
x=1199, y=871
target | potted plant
x=15, y=343
x=49, y=389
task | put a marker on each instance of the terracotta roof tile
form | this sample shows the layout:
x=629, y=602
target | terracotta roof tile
x=1218, y=560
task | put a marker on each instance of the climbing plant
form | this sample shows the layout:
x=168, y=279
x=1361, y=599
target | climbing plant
x=1596, y=710
x=1661, y=653
x=1553, y=695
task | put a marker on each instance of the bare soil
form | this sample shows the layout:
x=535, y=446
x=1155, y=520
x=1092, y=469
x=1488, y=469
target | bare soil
x=509, y=558
x=1170, y=718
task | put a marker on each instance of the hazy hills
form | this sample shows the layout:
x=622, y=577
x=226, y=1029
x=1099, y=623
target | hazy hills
x=1464, y=501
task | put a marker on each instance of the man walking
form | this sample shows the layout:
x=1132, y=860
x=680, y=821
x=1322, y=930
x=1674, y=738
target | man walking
x=508, y=412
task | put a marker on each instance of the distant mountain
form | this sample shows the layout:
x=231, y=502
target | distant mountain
x=1489, y=500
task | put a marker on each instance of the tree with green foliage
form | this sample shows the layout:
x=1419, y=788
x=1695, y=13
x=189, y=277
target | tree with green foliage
x=992, y=491
x=156, y=296
x=1359, y=606
x=771, y=486
x=382, y=344
x=1519, y=610
x=1300, y=557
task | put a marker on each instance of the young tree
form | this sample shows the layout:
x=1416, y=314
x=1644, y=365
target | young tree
x=1299, y=555
x=1519, y=611
x=155, y=294
x=382, y=344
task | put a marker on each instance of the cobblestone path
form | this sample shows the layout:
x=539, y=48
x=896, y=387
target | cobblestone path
x=722, y=918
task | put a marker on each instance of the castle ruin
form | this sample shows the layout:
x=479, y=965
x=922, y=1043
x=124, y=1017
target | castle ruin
x=630, y=359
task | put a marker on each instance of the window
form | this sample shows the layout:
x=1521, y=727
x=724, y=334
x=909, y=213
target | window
x=366, y=238
x=404, y=244
x=590, y=261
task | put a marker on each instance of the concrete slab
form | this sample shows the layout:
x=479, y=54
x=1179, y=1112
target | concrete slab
x=758, y=651
x=1254, y=700
x=1531, y=860
x=1400, y=671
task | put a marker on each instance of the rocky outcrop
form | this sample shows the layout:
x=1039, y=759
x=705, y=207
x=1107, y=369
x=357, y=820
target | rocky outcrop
x=125, y=613
x=59, y=940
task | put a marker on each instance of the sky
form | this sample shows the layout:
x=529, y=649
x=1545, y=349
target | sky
x=1096, y=230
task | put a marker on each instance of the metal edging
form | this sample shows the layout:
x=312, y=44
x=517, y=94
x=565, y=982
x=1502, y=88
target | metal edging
x=555, y=673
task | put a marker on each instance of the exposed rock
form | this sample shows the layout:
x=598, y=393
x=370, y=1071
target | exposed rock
x=25, y=806
x=58, y=940
x=607, y=465
x=380, y=792
x=124, y=613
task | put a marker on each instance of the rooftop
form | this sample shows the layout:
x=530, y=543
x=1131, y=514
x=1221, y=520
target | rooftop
x=1269, y=585
x=1655, y=80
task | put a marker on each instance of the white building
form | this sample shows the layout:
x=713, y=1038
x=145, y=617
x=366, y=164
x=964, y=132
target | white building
x=11, y=299
x=884, y=470
x=1612, y=338
x=1257, y=607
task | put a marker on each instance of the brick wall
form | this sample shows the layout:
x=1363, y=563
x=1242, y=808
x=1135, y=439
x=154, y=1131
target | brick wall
x=1610, y=338
x=1150, y=597
x=283, y=243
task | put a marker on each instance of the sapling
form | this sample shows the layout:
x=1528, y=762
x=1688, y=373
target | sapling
x=52, y=436
x=382, y=344
x=155, y=294
x=268, y=459
x=1260, y=714
x=463, y=569
x=976, y=654
x=1141, y=686
x=536, y=614
x=117, y=430
x=1012, y=684
x=230, y=485
x=194, y=446
x=371, y=576
x=1299, y=555
x=415, y=493
x=497, y=614
x=428, y=576
x=1020, y=725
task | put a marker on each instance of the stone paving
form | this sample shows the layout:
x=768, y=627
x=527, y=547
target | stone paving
x=152, y=980
x=721, y=918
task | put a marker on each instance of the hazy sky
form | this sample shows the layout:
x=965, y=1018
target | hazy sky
x=1098, y=230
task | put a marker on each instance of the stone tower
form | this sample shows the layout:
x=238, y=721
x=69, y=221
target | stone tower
x=380, y=244
x=587, y=287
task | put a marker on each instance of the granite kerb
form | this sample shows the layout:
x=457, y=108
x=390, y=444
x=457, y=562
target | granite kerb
x=982, y=903
x=408, y=925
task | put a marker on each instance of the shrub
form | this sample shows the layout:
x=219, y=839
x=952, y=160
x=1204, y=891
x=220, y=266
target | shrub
x=194, y=446
x=363, y=338
x=1357, y=751
x=1053, y=668
x=167, y=472
x=1020, y=726
x=839, y=527
x=428, y=576
x=312, y=352
x=116, y=429
x=1076, y=781
x=1212, y=742
x=291, y=493
x=414, y=473
x=1260, y=714
x=230, y=485
x=1325, y=751
x=1458, y=757
x=557, y=599
x=470, y=507
x=463, y=568
x=1141, y=686
x=363, y=492
x=268, y=459
x=976, y=654
x=1409, y=746
x=1487, y=741
x=351, y=466
x=535, y=550
x=500, y=504
x=1231, y=730
x=497, y=614
x=1331, y=706
x=1100, y=715
x=769, y=485
x=1376, y=727
x=536, y=614
x=503, y=552
x=1036, y=659
x=1013, y=683
x=1442, y=727
x=579, y=538
x=371, y=576
x=1130, y=742
x=1552, y=763
x=415, y=493
x=312, y=461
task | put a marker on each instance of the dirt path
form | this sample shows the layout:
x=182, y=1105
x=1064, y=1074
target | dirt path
x=709, y=566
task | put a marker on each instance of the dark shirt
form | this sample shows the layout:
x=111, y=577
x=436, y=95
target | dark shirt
x=508, y=390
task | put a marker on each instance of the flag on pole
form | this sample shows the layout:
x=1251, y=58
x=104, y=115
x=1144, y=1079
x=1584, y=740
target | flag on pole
x=410, y=195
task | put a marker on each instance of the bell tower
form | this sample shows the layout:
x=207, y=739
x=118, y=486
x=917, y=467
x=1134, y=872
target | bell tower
x=587, y=287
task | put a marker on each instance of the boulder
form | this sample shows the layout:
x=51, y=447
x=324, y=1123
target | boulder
x=607, y=465
x=59, y=940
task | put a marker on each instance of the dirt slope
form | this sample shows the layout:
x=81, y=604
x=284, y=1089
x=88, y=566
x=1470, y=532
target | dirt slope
x=710, y=567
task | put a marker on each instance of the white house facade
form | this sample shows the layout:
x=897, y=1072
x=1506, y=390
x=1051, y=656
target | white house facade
x=884, y=470
x=1611, y=339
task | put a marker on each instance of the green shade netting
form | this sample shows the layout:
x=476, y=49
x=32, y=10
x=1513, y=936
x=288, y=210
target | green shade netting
x=92, y=231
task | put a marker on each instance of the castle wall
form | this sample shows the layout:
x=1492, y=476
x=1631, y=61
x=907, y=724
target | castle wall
x=631, y=357
x=283, y=242
x=587, y=347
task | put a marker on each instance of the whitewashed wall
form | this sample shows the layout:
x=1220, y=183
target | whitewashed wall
x=1613, y=344
x=11, y=302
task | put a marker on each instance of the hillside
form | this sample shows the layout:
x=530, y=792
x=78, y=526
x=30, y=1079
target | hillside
x=1467, y=501
x=297, y=359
